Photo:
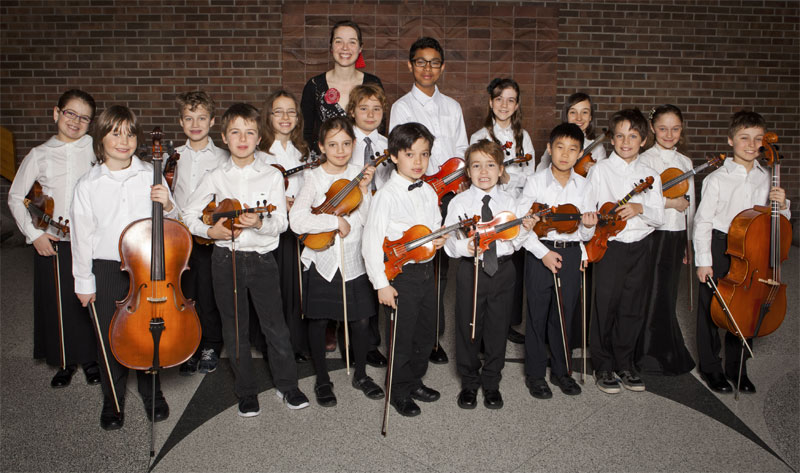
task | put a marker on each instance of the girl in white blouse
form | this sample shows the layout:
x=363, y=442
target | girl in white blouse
x=324, y=269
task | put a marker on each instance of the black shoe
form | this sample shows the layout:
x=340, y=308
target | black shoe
x=300, y=358
x=515, y=337
x=62, y=377
x=162, y=409
x=566, y=384
x=631, y=381
x=492, y=399
x=109, y=419
x=468, y=398
x=92, y=373
x=368, y=387
x=376, y=359
x=716, y=382
x=248, y=406
x=538, y=388
x=325, y=396
x=188, y=367
x=745, y=385
x=406, y=407
x=438, y=357
x=425, y=394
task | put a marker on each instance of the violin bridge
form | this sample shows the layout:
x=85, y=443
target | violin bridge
x=156, y=299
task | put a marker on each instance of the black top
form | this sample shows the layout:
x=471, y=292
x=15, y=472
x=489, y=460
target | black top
x=316, y=110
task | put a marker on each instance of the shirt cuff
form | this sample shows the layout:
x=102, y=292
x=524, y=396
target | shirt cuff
x=85, y=285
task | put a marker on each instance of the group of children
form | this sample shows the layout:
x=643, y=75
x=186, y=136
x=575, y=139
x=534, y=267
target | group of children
x=256, y=261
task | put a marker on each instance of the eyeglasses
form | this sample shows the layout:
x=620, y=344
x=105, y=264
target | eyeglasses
x=70, y=115
x=281, y=112
x=421, y=63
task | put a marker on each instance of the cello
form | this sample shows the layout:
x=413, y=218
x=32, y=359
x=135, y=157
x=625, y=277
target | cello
x=752, y=288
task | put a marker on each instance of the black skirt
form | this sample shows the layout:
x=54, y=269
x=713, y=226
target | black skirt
x=323, y=299
x=79, y=337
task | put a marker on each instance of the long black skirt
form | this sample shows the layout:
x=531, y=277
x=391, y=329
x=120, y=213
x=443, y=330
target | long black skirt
x=323, y=299
x=661, y=348
x=79, y=338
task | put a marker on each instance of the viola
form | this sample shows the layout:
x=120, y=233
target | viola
x=674, y=181
x=504, y=226
x=586, y=155
x=155, y=326
x=40, y=206
x=752, y=288
x=609, y=223
x=342, y=198
x=564, y=218
x=416, y=244
x=171, y=169
x=312, y=163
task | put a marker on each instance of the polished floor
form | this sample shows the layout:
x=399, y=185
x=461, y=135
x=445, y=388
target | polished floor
x=677, y=424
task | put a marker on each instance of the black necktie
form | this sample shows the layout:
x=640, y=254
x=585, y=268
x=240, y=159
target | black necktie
x=490, y=255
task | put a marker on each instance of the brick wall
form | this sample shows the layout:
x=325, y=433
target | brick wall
x=711, y=58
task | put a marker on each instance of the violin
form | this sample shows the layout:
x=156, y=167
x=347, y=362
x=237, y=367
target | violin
x=504, y=226
x=312, y=163
x=674, y=181
x=609, y=223
x=752, y=288
x=586, y=156
x=155, y=326
x=232, y=210
x=416, y=244
x=564, y=218
x=40, y=206
x=342, y=198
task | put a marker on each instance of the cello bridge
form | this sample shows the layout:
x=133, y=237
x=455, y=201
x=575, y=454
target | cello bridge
x=769, y=282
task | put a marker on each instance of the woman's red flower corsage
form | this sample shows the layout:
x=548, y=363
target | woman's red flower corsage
x=332, y=96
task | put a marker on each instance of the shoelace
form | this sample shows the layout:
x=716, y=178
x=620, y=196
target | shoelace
x=207, y=353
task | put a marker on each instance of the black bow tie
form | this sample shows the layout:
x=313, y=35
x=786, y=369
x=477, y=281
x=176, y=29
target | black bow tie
x=416, y=184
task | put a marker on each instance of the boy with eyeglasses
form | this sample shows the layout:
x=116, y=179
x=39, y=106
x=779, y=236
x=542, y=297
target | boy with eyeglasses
x=443, y=117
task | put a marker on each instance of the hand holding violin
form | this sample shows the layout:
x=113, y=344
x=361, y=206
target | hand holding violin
x=439, y=242
x=629, y=210
x=529, y=223
x=249, y=220
x=221, y=232
x=589, y=219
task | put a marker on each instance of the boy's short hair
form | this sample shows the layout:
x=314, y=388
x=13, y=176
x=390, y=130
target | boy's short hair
x=336, y=123
x=632, y=115
x=79, y=95
x=244, y=111
x=487, y=147
x=566, y=130
x=195, y=99
x=109, y=120
x=363, y=92
x=424, y=43
x=745, y=119
x=405, y=135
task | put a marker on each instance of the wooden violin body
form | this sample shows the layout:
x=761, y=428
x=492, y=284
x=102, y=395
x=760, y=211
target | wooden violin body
x=230, y=209
x=564, y=218
x=449, y=178
x=504, y=226
x=171, y=169
x=610, y=224
x=585, y=161
x=749, y=281
x=41, y=206
x=679, y=189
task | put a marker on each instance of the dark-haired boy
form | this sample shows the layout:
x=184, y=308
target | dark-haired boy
x=621, y=275
x=555, y=253
x=443, y=117
x=738, y=185
x=199, y=156
x=252, y=182
x=396, y=207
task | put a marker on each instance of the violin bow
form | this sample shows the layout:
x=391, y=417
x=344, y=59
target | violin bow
x=235, y=289
x=57, y=278
x=583, y=325
x=567, y=354
x=390, y=367
x=438, y=298
x=105, y=356
x=477, y=251
x=344, y=306
x=689, y=257
x=300, y=277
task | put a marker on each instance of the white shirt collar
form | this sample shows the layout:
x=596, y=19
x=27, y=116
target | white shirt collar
x=81, y=142
x=549, y=178
x=733, y=167
x=208, y=147
x=422, y=97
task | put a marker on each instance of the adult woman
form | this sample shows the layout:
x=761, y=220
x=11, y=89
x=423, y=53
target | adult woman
x=327, y=94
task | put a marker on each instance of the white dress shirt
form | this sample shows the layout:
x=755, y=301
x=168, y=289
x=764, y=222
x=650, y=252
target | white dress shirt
x=517, y=174
x=726, y=192
x=598, y=154
x=443, y=118
x=544, y=188
x=612, y=179
x=288, y=158
x=192, y=166
x=470, y=202
x=57, y=166
x=395, y=209
x=327, y=261
x=660, y=160
x=256, y=182
x=379, y=145
x=105, y=203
